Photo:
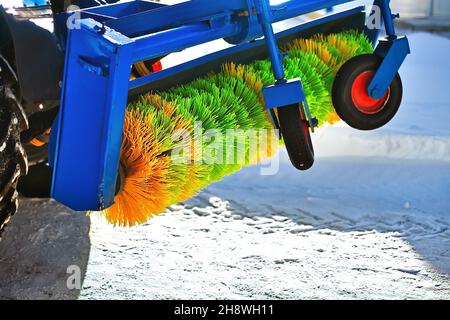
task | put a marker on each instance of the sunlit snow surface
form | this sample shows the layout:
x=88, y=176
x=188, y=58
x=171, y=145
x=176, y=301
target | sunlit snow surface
x=370, y=220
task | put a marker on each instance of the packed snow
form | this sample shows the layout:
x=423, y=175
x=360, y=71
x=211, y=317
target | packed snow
x=371, y=220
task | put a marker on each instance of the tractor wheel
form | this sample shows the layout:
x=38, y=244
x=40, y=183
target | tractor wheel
x=352, y=101
x=13, y=159
x=296, y=135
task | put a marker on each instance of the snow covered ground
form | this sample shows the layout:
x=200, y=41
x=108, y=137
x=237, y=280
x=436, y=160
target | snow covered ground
x=370, y=220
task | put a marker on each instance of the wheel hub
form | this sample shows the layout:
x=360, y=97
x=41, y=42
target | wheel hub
x=361, y=98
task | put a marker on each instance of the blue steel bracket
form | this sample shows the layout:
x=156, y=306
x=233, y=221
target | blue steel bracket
x=283, y=94
x=393, y=52
x=90, y=120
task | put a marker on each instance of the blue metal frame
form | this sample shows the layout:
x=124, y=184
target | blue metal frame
x=393, y=50
x=86, y=138
x=234, y=50
x=93, y=103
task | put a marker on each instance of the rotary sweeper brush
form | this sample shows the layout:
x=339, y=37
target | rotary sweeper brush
x=119, y=121
x=153, y=177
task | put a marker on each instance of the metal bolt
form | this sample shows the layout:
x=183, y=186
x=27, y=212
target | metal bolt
x=100, y=29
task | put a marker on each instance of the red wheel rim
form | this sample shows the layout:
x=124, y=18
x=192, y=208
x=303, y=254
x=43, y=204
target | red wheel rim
x=157, y=66
x=361, y=99
x=305, y=127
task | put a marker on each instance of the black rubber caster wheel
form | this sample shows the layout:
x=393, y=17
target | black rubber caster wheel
x=352, y=101
x=297, y=138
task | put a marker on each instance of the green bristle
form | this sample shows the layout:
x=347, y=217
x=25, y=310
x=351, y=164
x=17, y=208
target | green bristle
x=355, y=43
x=313, y=84
x=198, y=104
x=263, y=69
x=359, y=40
x=212, y=93
x=252, y=101
x=228, y=113
x=207, y=108
x=324, y=71
x=236, y=94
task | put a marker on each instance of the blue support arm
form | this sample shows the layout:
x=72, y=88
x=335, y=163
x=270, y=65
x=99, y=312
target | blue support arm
x=393, y=51
x=89, y=124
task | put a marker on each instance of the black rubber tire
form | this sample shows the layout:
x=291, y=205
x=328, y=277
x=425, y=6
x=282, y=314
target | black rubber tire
x=342, y=94
x=297, y=140
x=13, y=159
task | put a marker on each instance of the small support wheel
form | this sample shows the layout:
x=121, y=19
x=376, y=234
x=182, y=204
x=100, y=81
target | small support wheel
x=297, y=138
x=352, y=101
